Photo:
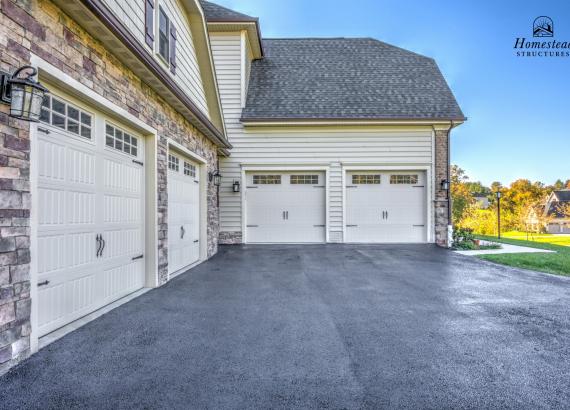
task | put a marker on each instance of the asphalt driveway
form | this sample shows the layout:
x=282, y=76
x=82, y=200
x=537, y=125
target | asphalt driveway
x=324, y=326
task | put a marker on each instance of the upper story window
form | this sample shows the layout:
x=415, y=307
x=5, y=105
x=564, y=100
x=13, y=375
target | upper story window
x=163, y=35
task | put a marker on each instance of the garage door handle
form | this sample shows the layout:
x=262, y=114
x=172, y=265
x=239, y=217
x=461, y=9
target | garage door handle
x=318, y=226
x=182, y=232
x=137, y=257
x=197, y=240
x=104, y=243
x=252, y=226
x=44, y=283
x=418, y=226
x=43, y=130
x=99, y=244
x=138, y=162
x=351, y=226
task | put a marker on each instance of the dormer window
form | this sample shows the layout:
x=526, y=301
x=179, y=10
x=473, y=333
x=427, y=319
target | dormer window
x=163, y=35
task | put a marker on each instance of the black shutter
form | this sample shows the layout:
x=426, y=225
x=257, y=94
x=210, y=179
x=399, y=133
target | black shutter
x=149, y=22
x=172, y=48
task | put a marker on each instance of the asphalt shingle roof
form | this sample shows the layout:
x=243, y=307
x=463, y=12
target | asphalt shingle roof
x=216, y=12
x=341, y=78
x=563, y=194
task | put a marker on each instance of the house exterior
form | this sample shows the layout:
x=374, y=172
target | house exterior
x=557, y=212
x=114, y=189
x=482, y=200
x=335, y=140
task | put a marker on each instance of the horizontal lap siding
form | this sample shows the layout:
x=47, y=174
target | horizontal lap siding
x=226, y=51
x=331, y=147
x=188, y=77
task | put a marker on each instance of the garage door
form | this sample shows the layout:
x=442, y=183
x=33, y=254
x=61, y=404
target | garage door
x=285, y=207
x=183, y=213
x=385, y=207
x=90, y=211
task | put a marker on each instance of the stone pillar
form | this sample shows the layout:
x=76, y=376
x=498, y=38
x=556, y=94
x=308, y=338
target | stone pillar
x=15, y=302
x=441, y=217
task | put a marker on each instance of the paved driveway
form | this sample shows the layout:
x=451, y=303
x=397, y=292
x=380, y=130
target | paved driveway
x=328, y=326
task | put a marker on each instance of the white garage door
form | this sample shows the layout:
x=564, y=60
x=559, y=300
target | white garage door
x=90, y=213
x=183, y=213
x=385, y=207
x=285, y=207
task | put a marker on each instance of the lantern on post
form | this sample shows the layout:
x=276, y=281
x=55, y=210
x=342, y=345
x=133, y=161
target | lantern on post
x=24, y=94
x=215, y=177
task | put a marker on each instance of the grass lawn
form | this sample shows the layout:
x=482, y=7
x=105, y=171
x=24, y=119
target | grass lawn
x=557, y=263
x=563, y=240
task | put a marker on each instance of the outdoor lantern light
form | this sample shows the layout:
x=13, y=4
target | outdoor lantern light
x=498, y=195
x=236, y=186
x=445, y=185
x=216, y=177
x=24, y=94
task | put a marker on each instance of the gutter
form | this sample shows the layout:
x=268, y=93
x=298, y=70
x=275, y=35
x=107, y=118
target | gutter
x=258, y=121
x=100, y=11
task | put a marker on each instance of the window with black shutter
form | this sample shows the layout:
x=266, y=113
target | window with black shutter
x=173, y=49
x=149, y=22
x=163, y=35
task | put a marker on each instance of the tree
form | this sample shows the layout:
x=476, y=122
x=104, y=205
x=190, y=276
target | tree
x=461, y=195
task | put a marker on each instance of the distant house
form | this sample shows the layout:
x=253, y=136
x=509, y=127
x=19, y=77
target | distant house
x=482, y=200
x=557, y=210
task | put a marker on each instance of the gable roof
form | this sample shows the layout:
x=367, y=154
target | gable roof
x=346, y=78
x=215, y=12
x=562, y=195
x=558, y=209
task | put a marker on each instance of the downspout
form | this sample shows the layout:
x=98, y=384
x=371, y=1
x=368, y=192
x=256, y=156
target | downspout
x=449, y=213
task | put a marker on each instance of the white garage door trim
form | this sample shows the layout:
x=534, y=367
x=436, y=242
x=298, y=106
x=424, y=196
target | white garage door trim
x=385, y=168
x=177, y=149
x=83, y=97
x=283, y=168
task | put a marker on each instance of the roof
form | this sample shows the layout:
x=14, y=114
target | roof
x=215, y=12
x=562, y=195
x=559, y=209
x=346, y=78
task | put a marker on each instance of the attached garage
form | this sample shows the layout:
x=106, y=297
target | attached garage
x=183, y=213
x=89, y=181
x=286, y=207
x=384, y=207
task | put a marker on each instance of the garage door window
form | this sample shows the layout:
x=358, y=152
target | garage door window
x=366, y=179
x=403, y=179
x=121, y=140
x=304, y=179
x=173, y=163
x=189, y=169
x=63, y=115
x=267, y=179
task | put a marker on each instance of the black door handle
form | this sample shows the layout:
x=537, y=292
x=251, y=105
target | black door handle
x=104, y=243
x=182, y=232
x=98, y=241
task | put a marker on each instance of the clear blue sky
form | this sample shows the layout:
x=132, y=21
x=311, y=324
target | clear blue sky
x=518, y=108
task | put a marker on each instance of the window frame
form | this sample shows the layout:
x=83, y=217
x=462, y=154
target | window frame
x=161, y=11
x=67, y=118
x=132, y=138
x=173, y=163
x=304, y=179
x=263, y=179
x=191, y=168
x=401, y=179
x=366, y=179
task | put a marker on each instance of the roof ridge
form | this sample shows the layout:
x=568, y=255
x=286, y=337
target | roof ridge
x=214, y=9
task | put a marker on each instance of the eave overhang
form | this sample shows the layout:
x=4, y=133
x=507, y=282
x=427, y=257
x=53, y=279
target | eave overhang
x=98, y=20
x=251, y=27
x=303, y=122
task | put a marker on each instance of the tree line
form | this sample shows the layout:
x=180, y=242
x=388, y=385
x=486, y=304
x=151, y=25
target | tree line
x=518, y=200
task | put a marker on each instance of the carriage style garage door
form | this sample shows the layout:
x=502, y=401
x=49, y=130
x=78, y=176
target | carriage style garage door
x=90, y=212
x=385, y=207
x=285, y=207
x=183, y=213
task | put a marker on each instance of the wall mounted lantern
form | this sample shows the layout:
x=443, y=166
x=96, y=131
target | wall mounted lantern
x=215, y=177
x=24, y=94
x=236, y=186
x=445, y=185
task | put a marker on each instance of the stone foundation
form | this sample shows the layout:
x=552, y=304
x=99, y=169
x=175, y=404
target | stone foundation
x=230, y=238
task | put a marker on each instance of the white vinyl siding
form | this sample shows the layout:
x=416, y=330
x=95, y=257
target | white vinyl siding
x=331, y=146
x=188, y=77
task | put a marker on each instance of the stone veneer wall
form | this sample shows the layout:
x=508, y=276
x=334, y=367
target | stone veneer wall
x=39, y=27
x=230, y=238
x=441, y=201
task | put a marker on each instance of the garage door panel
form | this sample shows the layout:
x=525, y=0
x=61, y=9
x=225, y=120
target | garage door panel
x=183, y=213
x=390, y=208
x=82, y=192
x=280, y=210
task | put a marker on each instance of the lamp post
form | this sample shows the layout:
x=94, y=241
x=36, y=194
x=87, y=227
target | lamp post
x=498, y=196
